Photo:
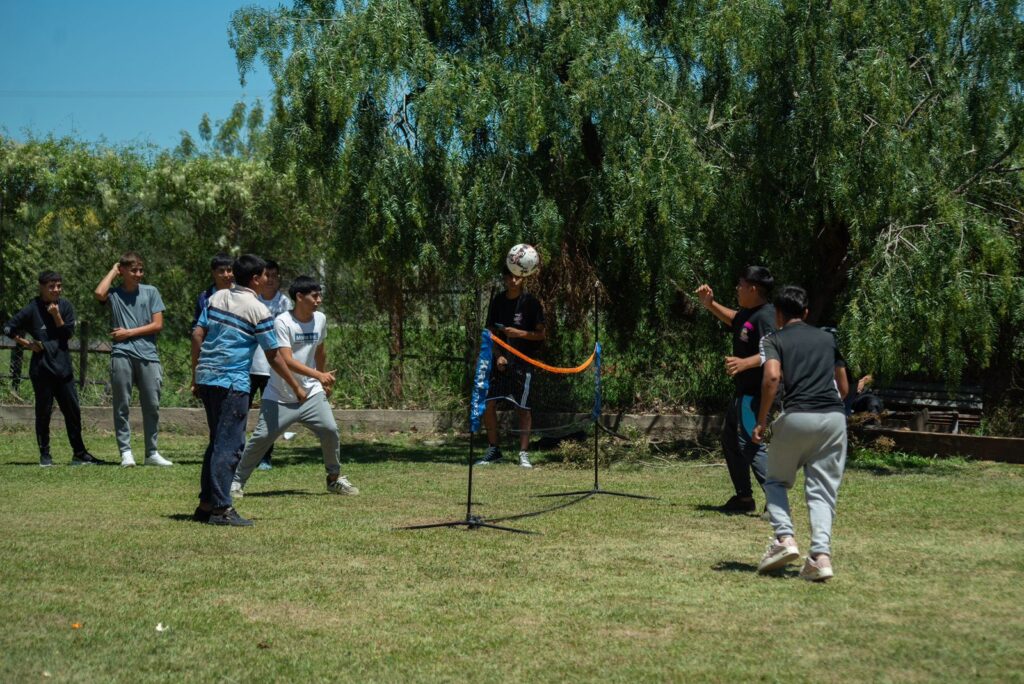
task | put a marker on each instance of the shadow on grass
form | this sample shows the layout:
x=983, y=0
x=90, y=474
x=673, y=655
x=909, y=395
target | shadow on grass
x=708, y=508
x=181, y=517
x=736, y=566
x=278, y=492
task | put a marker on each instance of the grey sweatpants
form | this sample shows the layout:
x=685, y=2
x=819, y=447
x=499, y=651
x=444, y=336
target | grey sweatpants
x=315, y=413
x=148, y=376
x=815, y=442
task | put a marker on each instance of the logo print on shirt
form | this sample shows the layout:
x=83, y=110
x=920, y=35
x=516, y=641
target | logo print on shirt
x=745, y=331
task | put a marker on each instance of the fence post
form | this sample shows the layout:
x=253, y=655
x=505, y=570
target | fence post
x=83, y=354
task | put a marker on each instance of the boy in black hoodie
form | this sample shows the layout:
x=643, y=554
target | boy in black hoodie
x=50, y=320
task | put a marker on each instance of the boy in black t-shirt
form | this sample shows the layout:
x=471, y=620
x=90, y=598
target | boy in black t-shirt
x=517, y=317
x=754, y=319
x=810, y=433
x=50, y=320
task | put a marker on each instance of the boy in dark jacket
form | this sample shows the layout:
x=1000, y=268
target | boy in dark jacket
x=50, y=320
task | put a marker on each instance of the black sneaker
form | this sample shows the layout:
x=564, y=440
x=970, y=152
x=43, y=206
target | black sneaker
x=201, y=516
x=739, y=504
x=228, y=517
x=45, y=461
x=492, y=455
x=85, y=458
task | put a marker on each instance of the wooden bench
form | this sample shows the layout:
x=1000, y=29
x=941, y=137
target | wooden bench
x=933, y=406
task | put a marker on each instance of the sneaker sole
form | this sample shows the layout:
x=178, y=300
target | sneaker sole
x=779, y=561
x=818, y=575
x=158, y=465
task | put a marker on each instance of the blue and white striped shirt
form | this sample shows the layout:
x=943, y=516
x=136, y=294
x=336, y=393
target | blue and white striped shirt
x=235, y=322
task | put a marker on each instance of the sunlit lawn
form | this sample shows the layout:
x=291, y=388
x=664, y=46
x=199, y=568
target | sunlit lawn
x=928, y=587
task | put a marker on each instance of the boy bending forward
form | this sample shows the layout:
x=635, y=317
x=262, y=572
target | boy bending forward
x=301, y=333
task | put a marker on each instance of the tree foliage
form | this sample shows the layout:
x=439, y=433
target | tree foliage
x=870, y=151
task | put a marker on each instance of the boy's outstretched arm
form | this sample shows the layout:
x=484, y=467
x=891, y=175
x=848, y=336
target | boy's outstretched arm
x=707, y=299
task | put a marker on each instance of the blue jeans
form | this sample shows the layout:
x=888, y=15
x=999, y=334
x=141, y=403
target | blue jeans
x=741, y=454
x=226, y=414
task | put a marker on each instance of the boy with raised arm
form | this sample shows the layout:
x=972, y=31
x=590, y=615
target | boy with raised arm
x=50, y=320
x=753, y=320
x=810, y=433
x=301, y=333
x=228, y=330
x=136, y=313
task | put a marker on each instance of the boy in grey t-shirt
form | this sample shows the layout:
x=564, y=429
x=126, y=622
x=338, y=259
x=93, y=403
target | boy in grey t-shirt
x=136, y=313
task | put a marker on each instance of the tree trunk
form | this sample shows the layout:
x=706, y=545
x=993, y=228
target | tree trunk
x=396, y=342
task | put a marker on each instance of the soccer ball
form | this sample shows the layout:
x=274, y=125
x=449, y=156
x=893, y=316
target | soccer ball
x=523, y=260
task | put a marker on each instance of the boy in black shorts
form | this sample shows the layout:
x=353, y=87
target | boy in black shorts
x=810, y=433
x=753, y=320
x=517, y=317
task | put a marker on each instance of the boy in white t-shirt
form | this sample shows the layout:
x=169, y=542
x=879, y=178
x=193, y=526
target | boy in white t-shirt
x=301, y=333
x=271, y=297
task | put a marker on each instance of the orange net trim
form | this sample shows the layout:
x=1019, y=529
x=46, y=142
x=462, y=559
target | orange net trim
x=543, y=366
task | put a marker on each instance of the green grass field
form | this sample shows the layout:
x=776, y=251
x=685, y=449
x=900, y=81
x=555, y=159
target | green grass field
x=323, y=588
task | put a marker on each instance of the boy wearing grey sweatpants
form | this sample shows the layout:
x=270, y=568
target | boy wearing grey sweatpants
x=810, y=433
x=301, y=333
x=136, y=313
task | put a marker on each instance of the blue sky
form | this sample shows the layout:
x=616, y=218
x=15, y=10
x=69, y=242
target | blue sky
x=127, y=72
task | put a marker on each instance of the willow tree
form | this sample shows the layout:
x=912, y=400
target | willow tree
x=449, y=131
x=874, y=153
x=868, y=150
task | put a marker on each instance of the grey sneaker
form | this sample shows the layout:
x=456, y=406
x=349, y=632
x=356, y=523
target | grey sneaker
x=45, y=461
x=492, y=455
x=777, y=555
x=236, y=490
x=524, y=460
x=817, y=569
x=342, y=486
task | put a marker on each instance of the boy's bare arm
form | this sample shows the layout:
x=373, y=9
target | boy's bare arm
x=707, y=300
x=198, y=335
x=302, y=369
x=151, y=328
x=769, y=388
x=276, y=359
x=103, y=289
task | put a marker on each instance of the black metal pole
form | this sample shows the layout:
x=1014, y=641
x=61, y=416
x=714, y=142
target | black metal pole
x=598, y=417
x=597, y=487
x=469, y=488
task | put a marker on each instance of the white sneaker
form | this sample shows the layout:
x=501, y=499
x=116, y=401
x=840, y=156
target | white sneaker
x=155, y=459
x=342, y=486
x=777, y=555
x=524, y=460
x=236, y=490
x=127, y=459
x=817, y=570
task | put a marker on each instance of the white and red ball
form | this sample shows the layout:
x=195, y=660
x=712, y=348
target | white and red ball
x=523, y=260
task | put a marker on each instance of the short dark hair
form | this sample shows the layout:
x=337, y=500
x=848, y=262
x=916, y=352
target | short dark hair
x=130, y=259
x=49, y=277
x=220, y=261
x=273, y=265
x=791, y=301
x=247, y=267
x=759, y=276
x=304, y=285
